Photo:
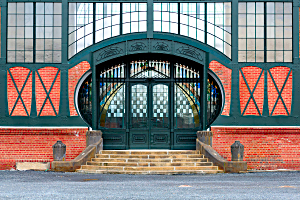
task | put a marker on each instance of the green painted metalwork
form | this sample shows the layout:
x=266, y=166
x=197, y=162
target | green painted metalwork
x=235, y=117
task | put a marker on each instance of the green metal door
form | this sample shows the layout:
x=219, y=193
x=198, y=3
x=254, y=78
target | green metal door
x=149, y=116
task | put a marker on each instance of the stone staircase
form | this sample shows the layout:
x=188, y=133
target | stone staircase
x=149, y=162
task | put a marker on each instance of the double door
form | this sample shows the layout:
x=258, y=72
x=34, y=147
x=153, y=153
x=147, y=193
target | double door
x=149, y=123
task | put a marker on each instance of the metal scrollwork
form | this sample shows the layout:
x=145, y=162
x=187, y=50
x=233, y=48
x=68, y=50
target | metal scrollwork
x=109, y=52
x=138, y=46
x=190, y=52
x=161, y=46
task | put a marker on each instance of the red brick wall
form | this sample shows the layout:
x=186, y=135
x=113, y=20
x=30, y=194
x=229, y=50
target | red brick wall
x=266, y=148
x=224, y=75
x=75, y=74
x=251, y=74
x=47, y=75
x=279, y=75
x=35, y=144
x=19, y=75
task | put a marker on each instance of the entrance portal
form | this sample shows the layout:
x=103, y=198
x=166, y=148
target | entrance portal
x=150, y=103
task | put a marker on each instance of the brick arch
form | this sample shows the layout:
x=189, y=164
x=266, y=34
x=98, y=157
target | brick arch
x=47, y=86
x=75, y=73
x=280, y=88
x=19, y=91
x=224, y=75
x=251, y=86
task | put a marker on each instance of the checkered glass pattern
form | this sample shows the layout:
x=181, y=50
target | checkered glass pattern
x=160, y=106
x=139, y=106
x=184, y=117
x=116, y=110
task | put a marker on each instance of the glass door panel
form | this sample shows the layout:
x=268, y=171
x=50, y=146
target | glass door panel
x=139, y=113
x=160, y=114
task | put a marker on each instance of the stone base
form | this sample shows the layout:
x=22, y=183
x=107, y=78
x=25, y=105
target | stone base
x=39, y=166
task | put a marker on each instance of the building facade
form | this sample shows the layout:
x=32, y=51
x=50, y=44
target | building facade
x=150, y=74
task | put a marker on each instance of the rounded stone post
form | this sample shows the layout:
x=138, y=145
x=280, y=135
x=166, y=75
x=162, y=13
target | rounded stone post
x=237, y=151
x=59, y=151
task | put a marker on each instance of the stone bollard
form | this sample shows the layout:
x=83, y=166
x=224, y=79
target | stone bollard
x=59, y=151
x=237, y=151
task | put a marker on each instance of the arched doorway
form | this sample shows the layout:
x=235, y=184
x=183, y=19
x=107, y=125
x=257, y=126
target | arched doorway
x=149, y=102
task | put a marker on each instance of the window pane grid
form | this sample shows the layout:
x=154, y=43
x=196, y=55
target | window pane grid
x=48, y=33
x=20, y=29
x=279, y=32
x=134, y=17
x=166, y=17
x=251, y=32
x=192, y=20
x=80, y=27
x=219, y=27
x=107, y=20
x=273, y=38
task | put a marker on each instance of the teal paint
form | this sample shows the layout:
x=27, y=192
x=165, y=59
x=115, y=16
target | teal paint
x=64, y=108
x=235, y=117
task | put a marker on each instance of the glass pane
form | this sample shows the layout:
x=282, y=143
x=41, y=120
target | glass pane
x=184, y=117
x=139, y=117
x=116, y=110
x=160, y=106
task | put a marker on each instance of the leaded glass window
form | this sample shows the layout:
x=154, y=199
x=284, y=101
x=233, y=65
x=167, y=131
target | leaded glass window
x=184, y=117
x=134, y=17
x=116, y=110
x=20, y=29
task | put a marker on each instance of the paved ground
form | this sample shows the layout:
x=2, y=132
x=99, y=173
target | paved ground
x=51, y=185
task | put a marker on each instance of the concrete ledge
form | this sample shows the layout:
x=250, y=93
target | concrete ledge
x=86, y=155
x=39, y=166
x=213, y=156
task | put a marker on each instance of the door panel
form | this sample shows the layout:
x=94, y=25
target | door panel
x=139, y=117
x=160, y=121
x=149, y=121
x=160, y=104
x=139, y=106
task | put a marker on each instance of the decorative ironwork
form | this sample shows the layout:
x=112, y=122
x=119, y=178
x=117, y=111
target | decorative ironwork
x=187, y=51
x=138, y=46
x=112, y=51
x=161, y=46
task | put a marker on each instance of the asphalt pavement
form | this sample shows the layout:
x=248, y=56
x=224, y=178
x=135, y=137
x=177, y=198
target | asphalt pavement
x=53, y=185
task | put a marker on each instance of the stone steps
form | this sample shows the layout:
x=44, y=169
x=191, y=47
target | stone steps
x=147, y=152
x=149, y=162
x=146, y=168
x=149, y=156
x=149, y=172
